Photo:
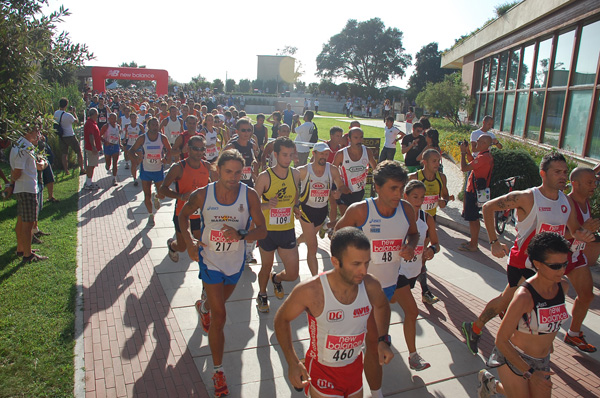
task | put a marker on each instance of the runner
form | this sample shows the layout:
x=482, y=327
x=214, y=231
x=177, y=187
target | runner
x=584, y=185
x=156, y=153
x=180, y=147
x=353, y=162
x=247, y=148
x=268, y=158
x=394, y=236
x=171, y=126
x=131, y=133
x=277, y=187
x=163, y=114
x=317, y=181
x=102, y=113
x=261, y=134
x=539, y=209
x=188, y=175
x=212, y=138
x=111, y=136
x=526, y=336
x=335, y=140
x=329, y=300
x=226, y=207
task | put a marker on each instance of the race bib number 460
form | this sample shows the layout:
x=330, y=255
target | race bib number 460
x=342, y=348
x=386, y=251
x=218, y=243
x=280, y=216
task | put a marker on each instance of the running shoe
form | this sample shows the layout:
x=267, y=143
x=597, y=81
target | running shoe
x=126, y=166
x=173, y=255
x=41, y=233
x=323, y=231
x=262, y=302
x=155, y=201
x=430, y=298
x=220, y=384
x=204, y=316
x=277, y=287
x=135, y=183
x=487, y=384
x=95, y=186
x=151, y=221
x=471, y=337
x=203, y=295
x=579, y=342
x=89, y=187
x=417, y=363
x=35, y=240
x=115, y=182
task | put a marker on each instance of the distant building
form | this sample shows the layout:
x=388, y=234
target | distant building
x=280, y=68
x=535, y=70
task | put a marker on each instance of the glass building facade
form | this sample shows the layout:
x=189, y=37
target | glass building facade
x=546, y=90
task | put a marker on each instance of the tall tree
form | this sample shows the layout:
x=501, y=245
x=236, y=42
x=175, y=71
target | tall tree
x=291, y=52
x=448, y=96
x=365, y=53
x=229, y=85
x=245, y=85
x=218, y=85
x=427, y=69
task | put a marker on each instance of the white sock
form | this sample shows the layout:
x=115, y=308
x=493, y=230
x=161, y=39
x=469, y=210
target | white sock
x=412, y=354
x=88, y=181
x=376, y=393
x=203, y=308
x=218, y=368
x=573, y=334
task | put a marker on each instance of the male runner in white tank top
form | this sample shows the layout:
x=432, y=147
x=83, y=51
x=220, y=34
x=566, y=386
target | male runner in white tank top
x=390, y=224
x=226, y=207
x=172, y=126
x=342, y=304
x=543, y=208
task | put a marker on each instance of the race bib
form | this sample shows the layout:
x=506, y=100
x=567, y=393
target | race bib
x=550, y=318
x=280, y=215
x=418, y=253
x=133, y=136
x=102, y=119
x=342, y=348
x=246, y=172
x=319, y=195
x=153, y=158
x=113, y=140
x=219, y=244
x=359, y=181
x=211, y=152
x=577, y=246
x=430, y=202
x=386, y=251
x=559, y=229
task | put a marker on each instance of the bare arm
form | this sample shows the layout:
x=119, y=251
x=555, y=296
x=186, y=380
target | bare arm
x=165, y=141
x=173, y=175
x=575, y=228
x=354, y=216
x=407, y=251
x=133, y=150
x=372, y=161
x=433, y=238
x=195, y=202
x=381, y=314
x=339, y=183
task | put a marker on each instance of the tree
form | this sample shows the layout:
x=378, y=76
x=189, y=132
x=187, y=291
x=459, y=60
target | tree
x=245, y=86
x=427, y=69
x=313, y=88
x=217, y=85
x=291, y=51
x=365, y=53
x=229, y=85
x=258, y=84
x=300, y=86
x=448, y=97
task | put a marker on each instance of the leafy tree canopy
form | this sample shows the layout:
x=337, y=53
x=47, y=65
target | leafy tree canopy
x=448, y=97
x=365, y=53
x=427, y=69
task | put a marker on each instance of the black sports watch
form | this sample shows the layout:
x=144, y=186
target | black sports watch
x=527, y=375
x=387, y=339
x=242, y=233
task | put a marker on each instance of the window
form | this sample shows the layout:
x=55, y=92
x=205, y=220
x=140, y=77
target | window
x=595, y=141
x=555, y=104
x=526, y=67
x=493, y=72
x=577, y=118
x=513, y=69
x=543, y=64
x=480, y=107
x=502, y=71
x=508, y=112
x=489, y=106
x=587, y=58
x=535, y=115
x=498, y=110
x=486, y=74
x=562, y=59
x=521, y=115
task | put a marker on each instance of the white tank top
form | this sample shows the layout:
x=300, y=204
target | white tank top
x=125, y=121
x=172, y=130
x=337, y=335
x=353, y=172
x=132, y=133
x=315, y=190
x=152, y=154
x=220, y=254
x=386, y=236
x=411, y=269
x=211, y=144
x=577, y=246
x=112, y=134
x=546, y=215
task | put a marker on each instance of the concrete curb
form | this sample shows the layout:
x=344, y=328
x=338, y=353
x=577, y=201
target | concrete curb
x=79, y=350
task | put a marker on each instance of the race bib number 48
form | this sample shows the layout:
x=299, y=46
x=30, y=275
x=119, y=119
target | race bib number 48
x=280, y=216
x=386, y=251
x=342, y=348
x=218, y=243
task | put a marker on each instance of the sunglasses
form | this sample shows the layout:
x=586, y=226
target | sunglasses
x=556, y=266
x=197, y=148
x=246, y=130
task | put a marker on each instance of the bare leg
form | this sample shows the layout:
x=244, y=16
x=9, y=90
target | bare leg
x=474, y=228
x=372, y=368
x=496, y=306
x=50, y=187
x=147, y=188
x=291, y=264
x=265, y=270
x=581, y=279
x=216, y=296
x=65, y=163
x=406, y=300
x=309, y=231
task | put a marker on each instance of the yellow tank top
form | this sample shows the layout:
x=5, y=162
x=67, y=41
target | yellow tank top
x=433, y=189
x=280, y=218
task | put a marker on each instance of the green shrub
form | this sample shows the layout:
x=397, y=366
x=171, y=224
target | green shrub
x=513, y=162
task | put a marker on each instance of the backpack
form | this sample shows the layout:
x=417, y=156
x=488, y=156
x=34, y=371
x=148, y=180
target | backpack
x=58, y=127
x=314, y=134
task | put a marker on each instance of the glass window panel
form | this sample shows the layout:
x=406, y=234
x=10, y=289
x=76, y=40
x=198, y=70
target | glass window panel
x=587, y=59
x=502, y=72
x=508, y=112
x=490, y=105
x=521, y=113
x=543, y=64
x=513, y=69
x=526, y=67
x=554, y=111
x=577, y=118
x=498, y=110
x=562, y=59
x=595, y=142
x=493, y=72
x=481, y=109
x=535, y=115
x=486, y=74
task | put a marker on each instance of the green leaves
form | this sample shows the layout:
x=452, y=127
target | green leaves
x=448, y=96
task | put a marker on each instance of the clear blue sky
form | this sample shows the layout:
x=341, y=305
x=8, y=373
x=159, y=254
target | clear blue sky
x=188, y=38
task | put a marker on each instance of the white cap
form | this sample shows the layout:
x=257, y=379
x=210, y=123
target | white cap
x=321, y=147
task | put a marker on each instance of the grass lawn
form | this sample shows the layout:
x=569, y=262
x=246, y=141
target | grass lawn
x=38, y=300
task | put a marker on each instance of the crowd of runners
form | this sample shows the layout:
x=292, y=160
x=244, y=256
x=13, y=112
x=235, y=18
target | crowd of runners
x=237, y=187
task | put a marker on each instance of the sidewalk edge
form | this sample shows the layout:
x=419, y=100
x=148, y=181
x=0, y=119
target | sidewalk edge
x=79, y=350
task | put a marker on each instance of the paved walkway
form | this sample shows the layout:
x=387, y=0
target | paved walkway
x=141, y=334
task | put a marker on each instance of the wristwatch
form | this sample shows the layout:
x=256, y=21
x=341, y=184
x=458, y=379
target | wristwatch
x=242, y=233
x=527, y=375
x=387, y=339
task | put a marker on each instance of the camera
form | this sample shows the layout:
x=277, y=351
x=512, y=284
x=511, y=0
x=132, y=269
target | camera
x=463, y=142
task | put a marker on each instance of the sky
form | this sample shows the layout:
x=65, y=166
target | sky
x=222, y=39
